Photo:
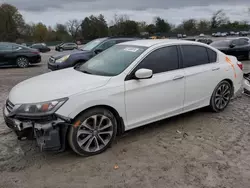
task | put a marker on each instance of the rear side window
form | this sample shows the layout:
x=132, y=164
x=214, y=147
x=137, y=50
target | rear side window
x=161, y=60
x=212, y=55
x=194, y=55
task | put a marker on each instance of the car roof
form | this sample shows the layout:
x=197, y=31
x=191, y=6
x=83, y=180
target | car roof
x=121, y=38
x=152, y=42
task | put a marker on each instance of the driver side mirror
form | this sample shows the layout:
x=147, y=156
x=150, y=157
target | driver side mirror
x=144, y=74
x=232, y=45
x=97, y=51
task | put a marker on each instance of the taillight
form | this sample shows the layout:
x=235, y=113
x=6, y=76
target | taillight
x=240, y=65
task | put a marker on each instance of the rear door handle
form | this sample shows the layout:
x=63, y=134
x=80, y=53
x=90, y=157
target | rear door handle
x=178, y=77
x=215, y=68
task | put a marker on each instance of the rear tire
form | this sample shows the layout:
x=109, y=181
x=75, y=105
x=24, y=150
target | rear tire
x=221, y=96
x=60, y=49
x=92, y=132
x=22, y=62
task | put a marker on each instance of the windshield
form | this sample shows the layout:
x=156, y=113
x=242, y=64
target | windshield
x=92, y=44
x=112, y=61
x=224, y=43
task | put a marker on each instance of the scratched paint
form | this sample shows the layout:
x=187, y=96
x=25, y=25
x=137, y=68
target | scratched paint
x=228, y=60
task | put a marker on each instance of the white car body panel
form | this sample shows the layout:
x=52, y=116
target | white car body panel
x=138, y=102
x=152, y=99
x=54, y=85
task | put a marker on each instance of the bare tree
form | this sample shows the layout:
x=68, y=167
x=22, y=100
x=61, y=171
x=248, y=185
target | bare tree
x=73, y=27
x=219, y=18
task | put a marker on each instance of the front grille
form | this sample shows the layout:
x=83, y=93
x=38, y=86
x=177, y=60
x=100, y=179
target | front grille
x=9, y=106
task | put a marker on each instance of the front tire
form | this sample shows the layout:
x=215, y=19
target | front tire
x=248, y=56
x=22, y=62
x=92, y=132
x=221, y=96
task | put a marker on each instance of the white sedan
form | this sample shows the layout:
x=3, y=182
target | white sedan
x=127, y=86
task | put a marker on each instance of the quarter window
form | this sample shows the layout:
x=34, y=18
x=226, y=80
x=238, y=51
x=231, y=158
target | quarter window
x=212, y=55
x=194, y=55
x=161, y=60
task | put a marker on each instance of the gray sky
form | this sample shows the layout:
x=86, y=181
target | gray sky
x=51, y=12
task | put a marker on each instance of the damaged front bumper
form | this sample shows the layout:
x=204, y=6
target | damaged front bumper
x=49, y=132
x=246, y=84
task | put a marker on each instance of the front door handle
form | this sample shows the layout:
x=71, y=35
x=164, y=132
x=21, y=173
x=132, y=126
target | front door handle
x=178, y=77
x=215, y=68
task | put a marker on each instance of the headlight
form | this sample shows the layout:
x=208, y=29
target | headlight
x=43, y=108
x=62, y=59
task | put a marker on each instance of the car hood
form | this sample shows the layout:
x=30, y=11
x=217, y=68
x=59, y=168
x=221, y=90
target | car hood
x=55, y=85
x=58, y=56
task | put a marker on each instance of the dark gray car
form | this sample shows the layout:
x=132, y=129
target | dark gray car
x=83, y=54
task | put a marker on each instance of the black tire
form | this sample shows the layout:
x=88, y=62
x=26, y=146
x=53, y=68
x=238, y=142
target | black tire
x=248, y=56
x=22, y=62
x=217, y=101
x=60, y=49
x=74, y=138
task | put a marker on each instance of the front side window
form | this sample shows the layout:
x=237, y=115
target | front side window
x=112, y=61
x=92, y=44
x=236, y=42
x=194, y=55
x=106, y=45
x=161, y=60
x=243, y=42
x=221, y=44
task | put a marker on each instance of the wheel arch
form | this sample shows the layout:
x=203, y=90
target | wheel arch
x=231, y=83
x=119, y=119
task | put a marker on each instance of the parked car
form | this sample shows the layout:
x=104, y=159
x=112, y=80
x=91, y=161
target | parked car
x=88, y=51
x=218, y=34
x=243, y=33
x=12, y=54
x=66, y=46
x=239, y=47
x=129, y=85
x=204, y=40
x=189, y=39
x=246, y=84
x=41, y=47
x=224, y=34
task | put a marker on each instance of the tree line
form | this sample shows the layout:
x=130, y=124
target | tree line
x=13, y=28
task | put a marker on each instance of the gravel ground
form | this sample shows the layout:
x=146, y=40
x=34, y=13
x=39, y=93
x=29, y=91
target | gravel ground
x=197, y=149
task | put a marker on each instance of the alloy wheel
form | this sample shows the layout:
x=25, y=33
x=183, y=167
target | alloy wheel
x=222, y=96
x=22, y=62
x=95, y=133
